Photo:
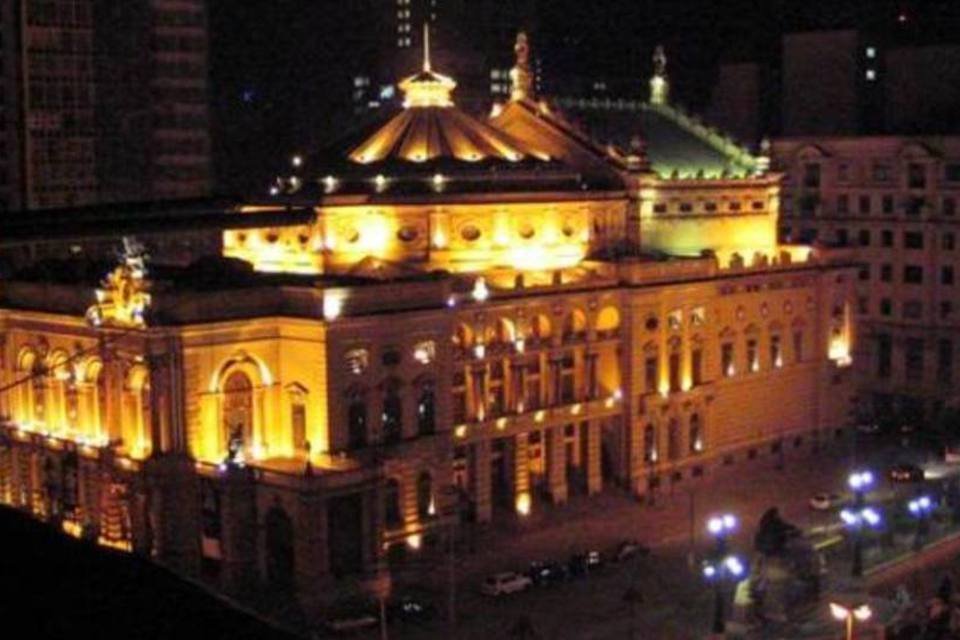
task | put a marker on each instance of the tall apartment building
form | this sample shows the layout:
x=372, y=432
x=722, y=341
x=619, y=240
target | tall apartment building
x=112, y=100
x=9, y=112
x=893, y=201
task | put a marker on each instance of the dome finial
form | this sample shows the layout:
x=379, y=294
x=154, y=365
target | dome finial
x=659, y=86
x=521, y=79
x=426, y=47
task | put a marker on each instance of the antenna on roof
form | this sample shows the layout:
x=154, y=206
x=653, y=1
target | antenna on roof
x=426, y=47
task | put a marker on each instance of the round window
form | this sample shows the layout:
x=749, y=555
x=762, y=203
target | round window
x=652, y=323
x=351, y=235
x=527, y=231
x=408, y=234
x=470, y=233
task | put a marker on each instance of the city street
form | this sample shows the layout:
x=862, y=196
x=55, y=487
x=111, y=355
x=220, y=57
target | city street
x=676, y=603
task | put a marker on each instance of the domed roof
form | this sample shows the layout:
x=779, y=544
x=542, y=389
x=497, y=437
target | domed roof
x=430, y=127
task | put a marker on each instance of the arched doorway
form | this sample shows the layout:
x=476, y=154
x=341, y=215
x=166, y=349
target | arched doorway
x=237, y=415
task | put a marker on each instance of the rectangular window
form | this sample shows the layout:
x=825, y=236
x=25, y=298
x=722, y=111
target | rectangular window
x=811, y=175
x=726, y=359
x=886, y=238
x=886, y=307
x=887, y=204
x=916, y=176
x=915, y=206
x=843, y=237
x=946, y=274
x=650, y=374
x=776, y=352
x=948, y=241
x=881, y=172
x=945, y=361
x=863, y=237
x=886, y=272
x=299, y=421
x=696, y=366
x=913, y=359
x=865, y=205
x=753, y=357
x=912, y=310
x=798, y=346
x=952, y=172
x=913, y=240
x=946, y=309
x=949, y=207
x=674, y=371
x=913, y=274
x=884, y=355
x=864, y=273
x=843, y=203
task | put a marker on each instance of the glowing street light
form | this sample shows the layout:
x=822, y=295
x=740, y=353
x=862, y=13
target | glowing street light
x=860, y=481
x=857, y=520
x=729, y=568
x=920, y=508
x=720, y=527
x=860, y=613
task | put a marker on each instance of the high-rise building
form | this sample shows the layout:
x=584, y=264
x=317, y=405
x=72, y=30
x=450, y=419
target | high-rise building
x=10, y=190
x=112, y=100
x=894, y=202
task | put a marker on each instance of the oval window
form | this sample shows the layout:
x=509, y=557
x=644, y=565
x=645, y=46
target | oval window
x=527, y=231
x=351, y=235
x=303, y=238
x=272, y=237
x=568, y=230
x=408, y=234
x=652, y=323
x=470, y=233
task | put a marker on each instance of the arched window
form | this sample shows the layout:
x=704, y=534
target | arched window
x=426, y=411
x=392, y=415
x=425, y=507
x=575, y=326
x=238, y=410
x=673, y=440
x=608, y=322
x=696, y=434
x=279, y=543
x=391, y=504
x=649, y=444
x=356, y=423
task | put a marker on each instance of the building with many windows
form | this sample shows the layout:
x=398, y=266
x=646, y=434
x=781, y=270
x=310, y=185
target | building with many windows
x=893, y=201
x=102, y=102
x=480, y=319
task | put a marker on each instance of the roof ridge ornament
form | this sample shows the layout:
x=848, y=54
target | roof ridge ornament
x=659, y=84
x=426, y=48
x=521, y=78
x=427, y=88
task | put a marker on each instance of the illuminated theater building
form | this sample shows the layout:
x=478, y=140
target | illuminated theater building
x=484, y=317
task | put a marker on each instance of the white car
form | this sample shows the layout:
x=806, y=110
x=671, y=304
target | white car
x=825, y=501
x=503, y=583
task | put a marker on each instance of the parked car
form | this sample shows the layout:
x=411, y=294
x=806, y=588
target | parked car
x=504, y=583
x=630, y=549
x=906, y=472
x=825, y=501
x=547, y=573
x=581, y=564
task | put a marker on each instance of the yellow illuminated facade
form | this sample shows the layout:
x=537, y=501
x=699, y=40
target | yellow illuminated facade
x=449, y=335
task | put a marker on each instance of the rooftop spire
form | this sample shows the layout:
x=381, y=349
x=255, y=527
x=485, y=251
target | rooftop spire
x=520, y=76
x=426, y=47
x=659, y=86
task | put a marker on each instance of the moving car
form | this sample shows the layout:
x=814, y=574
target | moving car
x=630, y=549
x=825, y=501
x=546, y=573
x=581, y=564
x=503, y=583
x=906, y=472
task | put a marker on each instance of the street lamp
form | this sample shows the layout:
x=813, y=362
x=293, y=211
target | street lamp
x=718, y=572
x=861, y=613
x=860, y=482
x=920, y=509
x=856, y=520
x=720, y=527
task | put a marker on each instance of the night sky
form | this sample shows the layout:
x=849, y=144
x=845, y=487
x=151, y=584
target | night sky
x=281, y=69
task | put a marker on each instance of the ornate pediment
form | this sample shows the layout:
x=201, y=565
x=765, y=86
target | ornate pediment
x=123, y=297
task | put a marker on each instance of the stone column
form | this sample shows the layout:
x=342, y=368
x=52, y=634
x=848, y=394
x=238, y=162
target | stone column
x=239, y=530
x=592, y=383
x=557, y=464
x=481, y=480
x=593, y=455
x=310, y=555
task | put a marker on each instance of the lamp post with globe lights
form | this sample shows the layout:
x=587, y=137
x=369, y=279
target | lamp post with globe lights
x=920, y=508
x=857, y=520
x=860, y=482
x=847, y=615
x=721, y=567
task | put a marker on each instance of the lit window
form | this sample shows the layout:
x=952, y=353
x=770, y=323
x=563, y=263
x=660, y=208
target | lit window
x=425, y=352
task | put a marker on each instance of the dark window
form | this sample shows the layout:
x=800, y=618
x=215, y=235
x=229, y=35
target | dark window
x=650, y=374
x=952, y=172
x=686, y=207
x=392, y=416
x=675, y=371
x=843, y=203
x=811, y=175
x=884, y=355
x=696, y=434
x=660, y=207
x=949, y=206
x=946, y=309
x=913, y=240
x=886, y=238
x=915, y=206
x=886, y=272
x=944, y=361
x=863, y=237
x=948, y=241
x=696, y=366
x=391, y=504
x=426, y=411
x=864, y=204
x=424, y=496
x=881, y=172
x=843, y=237
x=798, y=346
x=946, y=274
x=886, y=307
x=913, y=358
x=649, y=444
x=916, y=176
x=357, y=424
x=887, y=204
x=913, y=274
x=865, y=272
